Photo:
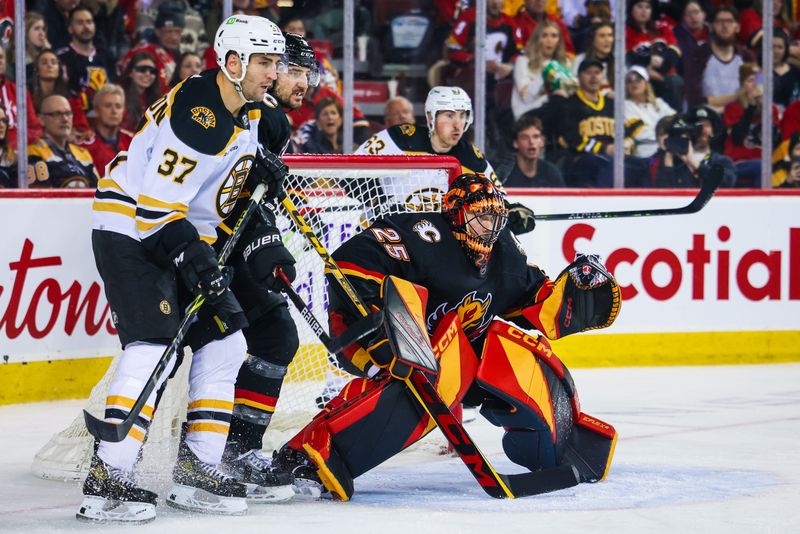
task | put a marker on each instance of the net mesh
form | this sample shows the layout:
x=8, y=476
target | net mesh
x=338, y=196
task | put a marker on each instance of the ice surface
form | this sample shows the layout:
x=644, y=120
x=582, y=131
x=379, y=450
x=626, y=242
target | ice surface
x=701, y=449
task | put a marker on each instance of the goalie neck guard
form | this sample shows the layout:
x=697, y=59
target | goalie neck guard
x=476, y=212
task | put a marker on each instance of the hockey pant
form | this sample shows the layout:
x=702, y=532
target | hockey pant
x=525, y=388
x=211, y=386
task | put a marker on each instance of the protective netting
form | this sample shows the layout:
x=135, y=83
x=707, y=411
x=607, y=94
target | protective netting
x=338, y=197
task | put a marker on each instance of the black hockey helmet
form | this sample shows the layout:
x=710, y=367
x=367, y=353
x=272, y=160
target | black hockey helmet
x=301, y=54
x=477, y=213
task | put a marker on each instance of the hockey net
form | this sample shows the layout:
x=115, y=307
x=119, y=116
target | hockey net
x=338, y=196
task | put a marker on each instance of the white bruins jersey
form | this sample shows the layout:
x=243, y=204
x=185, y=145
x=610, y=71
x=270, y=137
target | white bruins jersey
x=425, y=191
x=189, y=159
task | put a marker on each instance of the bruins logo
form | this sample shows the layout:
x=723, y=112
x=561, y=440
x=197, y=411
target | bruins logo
x=408, y=129
x=204, y=117
x=164, y=306
x=427, y=199
x=427, y=231
x=232, y=186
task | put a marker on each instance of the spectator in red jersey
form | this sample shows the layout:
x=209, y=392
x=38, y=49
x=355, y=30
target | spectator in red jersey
x=141, y=88
x=8, y=102
x=534, y=12
x=743, y=119
x=8, y=156
x=750, y=20
x=693, y=31
x=712, y=71
x=48, y=79
x=87, y=68
x=189, y=64
x=108, y=138
x=651, y=43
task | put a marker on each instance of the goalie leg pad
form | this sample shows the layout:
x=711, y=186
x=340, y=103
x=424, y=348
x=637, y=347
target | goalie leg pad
x=591, y=448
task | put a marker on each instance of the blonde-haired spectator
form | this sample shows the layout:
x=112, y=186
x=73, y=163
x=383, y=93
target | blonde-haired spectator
x=542, y=69
x=644, y=109
x=35, y=38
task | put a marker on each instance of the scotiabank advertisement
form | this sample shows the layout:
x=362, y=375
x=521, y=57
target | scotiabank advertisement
x=733, y=267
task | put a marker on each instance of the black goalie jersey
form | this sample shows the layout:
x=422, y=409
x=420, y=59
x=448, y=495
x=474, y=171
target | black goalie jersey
x=407, y=139
x=420, y=247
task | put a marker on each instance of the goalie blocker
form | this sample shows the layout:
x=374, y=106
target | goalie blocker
x=523, y=385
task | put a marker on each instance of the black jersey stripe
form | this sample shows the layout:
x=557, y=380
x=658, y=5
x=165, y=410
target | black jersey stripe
x=111, y=195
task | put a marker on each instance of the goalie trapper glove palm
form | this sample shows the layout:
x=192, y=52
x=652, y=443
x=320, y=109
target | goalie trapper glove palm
x=270, y=170
x=520, y=219
x=380, y=352
x=264, y=253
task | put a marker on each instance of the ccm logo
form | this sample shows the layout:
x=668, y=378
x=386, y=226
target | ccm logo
x=262, y=241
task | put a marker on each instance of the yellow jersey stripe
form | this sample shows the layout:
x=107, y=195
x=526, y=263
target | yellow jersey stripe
x=219, y=428
x=145, y=226
x=212, y=404
x=127, y=402
x=151, y=202
x=256, y=405
x=113, y=207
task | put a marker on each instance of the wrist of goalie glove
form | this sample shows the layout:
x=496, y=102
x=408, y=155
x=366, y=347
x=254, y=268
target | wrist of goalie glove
x=270, y=170
x=198, y=268
x=520, y=219
x=264, y=253
x=381, y=354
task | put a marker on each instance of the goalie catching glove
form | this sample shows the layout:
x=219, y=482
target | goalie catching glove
x=380, y=352
x=263, y=253
x=585, y=296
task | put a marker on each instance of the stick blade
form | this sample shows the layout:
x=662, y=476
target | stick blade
x=105, y=431
x=545, y=481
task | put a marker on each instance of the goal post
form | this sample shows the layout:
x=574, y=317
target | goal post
x=339, y=196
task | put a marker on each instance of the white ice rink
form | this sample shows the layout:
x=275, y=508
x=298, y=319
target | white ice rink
x=701, y=449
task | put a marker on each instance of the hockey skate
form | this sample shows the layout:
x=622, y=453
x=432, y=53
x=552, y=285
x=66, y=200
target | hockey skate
x=110, y=495
x=307, y=484
x=202, y=487
x=265, y=483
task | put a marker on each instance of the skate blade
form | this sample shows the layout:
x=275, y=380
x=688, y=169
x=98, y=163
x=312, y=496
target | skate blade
x=197, y=500
x=269, y=494
x=99, y=510
x=305, y=490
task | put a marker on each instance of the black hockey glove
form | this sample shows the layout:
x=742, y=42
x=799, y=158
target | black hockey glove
x=198, y=267
x=270, y=170
x=520, y=219
x=265, y=252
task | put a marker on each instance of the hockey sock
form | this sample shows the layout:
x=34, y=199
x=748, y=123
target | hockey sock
x=135, y=366
x=258, y=387
x=211, y=380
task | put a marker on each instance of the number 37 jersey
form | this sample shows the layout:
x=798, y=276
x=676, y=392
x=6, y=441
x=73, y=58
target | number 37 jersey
x=189, y=159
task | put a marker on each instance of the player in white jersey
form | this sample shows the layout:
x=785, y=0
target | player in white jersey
x=155, y=217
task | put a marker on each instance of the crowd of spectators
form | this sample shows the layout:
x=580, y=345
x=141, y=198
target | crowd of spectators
x=693, y=82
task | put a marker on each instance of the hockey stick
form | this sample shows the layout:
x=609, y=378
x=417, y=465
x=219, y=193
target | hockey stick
x=361, y=328
x=709, y=186
x=493, y=483
x=115, y=432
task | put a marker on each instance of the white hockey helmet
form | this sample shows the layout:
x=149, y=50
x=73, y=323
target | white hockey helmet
x=247, y=35
x=444, y=98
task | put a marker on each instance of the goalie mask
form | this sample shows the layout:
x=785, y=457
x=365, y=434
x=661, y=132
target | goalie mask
x=444, y=98
x=476, y=212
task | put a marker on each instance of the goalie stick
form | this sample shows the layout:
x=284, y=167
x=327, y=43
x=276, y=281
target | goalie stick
x=707, y=189
x=495, y=484
x=115, y=432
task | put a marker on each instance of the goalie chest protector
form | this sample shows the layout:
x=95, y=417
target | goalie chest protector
x=420, y=248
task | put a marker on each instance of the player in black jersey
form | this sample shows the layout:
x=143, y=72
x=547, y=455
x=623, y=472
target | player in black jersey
x=271, y=336
x=473, y=271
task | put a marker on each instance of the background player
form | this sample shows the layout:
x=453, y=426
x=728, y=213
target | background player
x=474, y=270
x=448, y=115
x=154, y=217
